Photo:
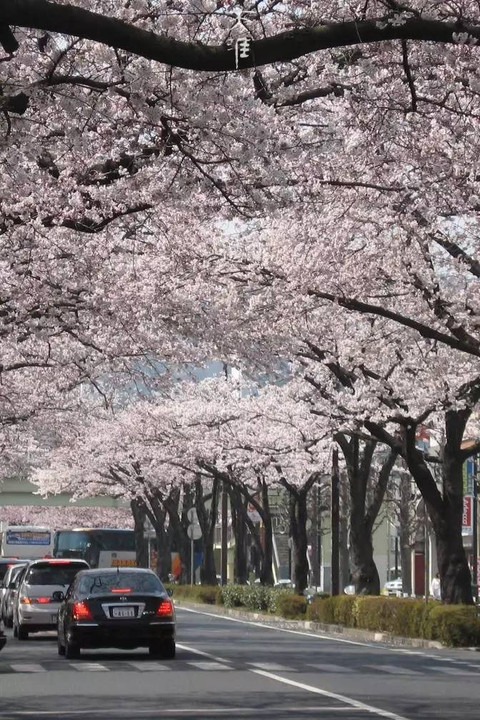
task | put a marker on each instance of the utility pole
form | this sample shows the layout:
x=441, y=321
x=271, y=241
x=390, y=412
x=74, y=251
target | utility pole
x=426, y=552
x=475, y=530
x=335, y=523
x=224, y=536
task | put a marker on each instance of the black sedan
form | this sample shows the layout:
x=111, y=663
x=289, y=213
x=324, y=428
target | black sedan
x=116, y=607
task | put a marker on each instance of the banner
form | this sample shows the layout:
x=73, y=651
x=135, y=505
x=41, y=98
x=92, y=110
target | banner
x=467, y=515
x=27, y=537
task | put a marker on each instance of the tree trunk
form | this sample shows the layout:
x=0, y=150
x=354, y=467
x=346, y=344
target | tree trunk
x=207, y=520
x=298, y=530
x=139, y=513
x=237, y=505
x=266, y=574
x=362, y=565
x=300, y=544
x=445, y=509
x=179, y=525
x=364, y=571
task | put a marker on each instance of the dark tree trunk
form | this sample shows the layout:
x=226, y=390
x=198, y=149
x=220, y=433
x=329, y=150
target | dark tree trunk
x=238, y=509
x=139, y=513
x=298, y=529
x=406, y=532
x=263, y=545
x=363, y=512
x=179, y=527
x=343, y=541
x=444, y=506
x=298, y=533
x=207, y=520
x=445, y=510
x=158, y=517
x=266, y=574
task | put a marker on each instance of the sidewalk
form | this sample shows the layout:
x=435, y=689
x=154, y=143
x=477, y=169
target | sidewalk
x=316, y=628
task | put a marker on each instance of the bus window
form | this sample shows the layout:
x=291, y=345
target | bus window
x=100, y=547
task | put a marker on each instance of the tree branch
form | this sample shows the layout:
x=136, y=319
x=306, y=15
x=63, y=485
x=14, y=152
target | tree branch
x=77, y=22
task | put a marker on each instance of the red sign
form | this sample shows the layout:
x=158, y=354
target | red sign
x=467, y=512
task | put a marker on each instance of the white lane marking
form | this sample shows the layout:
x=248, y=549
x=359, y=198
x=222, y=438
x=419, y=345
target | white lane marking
x=353, y=704
x=202, y=653
x=205, y=665
x=193, y=712
x=334, y=696
x=316, y=636
x=271, y=667
x=27, y=667
x=452, y=671
x=393, y=669
x=330, y=668
x=89, y=667
x=149, y=666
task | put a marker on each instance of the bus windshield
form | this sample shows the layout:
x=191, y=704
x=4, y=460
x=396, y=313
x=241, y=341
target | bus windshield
x=102, y=547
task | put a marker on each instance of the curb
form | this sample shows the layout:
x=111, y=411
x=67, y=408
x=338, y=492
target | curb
x=318, y=628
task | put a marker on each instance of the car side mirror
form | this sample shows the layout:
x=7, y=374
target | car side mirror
x=12, y=585
x=58, y=596
x=170, y=591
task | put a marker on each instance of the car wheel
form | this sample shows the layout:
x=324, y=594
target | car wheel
x=72, y=650
x=60, y=647
x=22, y=632
x=165, y=650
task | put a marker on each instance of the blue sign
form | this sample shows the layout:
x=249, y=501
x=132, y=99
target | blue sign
x=27, y=537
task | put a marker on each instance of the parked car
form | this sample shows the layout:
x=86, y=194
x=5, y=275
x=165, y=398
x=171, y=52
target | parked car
x=35, y=608
x=393, y=587
x=5, y=564
x=3, y=639
x=284, y=583
x=116, y=607
x=10, y=586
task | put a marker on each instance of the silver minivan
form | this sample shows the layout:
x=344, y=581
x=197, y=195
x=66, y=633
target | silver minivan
x=35, y=608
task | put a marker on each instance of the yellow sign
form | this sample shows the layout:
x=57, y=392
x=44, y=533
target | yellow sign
x=123, y=563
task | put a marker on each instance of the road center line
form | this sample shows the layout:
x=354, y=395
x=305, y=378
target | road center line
x=334, y=696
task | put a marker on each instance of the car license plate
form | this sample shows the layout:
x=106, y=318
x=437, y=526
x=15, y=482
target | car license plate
x=123, y=612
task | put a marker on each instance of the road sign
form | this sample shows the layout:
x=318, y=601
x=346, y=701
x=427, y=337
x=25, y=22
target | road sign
x=192, y=516
x=194, y=532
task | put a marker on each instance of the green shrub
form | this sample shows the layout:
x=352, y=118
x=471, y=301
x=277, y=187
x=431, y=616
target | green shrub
x=399, y=616
x=208, y=594
x=456, y=625
x=276, y=596
x=232, y=595
x=321, y=610
x=292, y=606
x=344, y=610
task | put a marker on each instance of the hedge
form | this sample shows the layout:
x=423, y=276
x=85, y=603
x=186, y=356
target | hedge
x=454, y=625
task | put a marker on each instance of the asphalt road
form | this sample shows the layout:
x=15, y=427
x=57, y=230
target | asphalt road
x=228, y=668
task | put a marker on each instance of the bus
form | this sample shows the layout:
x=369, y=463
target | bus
x=26, y=541
x=100, y=547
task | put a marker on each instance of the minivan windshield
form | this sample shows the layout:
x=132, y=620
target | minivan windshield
x=52, y=574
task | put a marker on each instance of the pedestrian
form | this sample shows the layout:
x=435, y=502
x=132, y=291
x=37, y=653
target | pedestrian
x=435, y=587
